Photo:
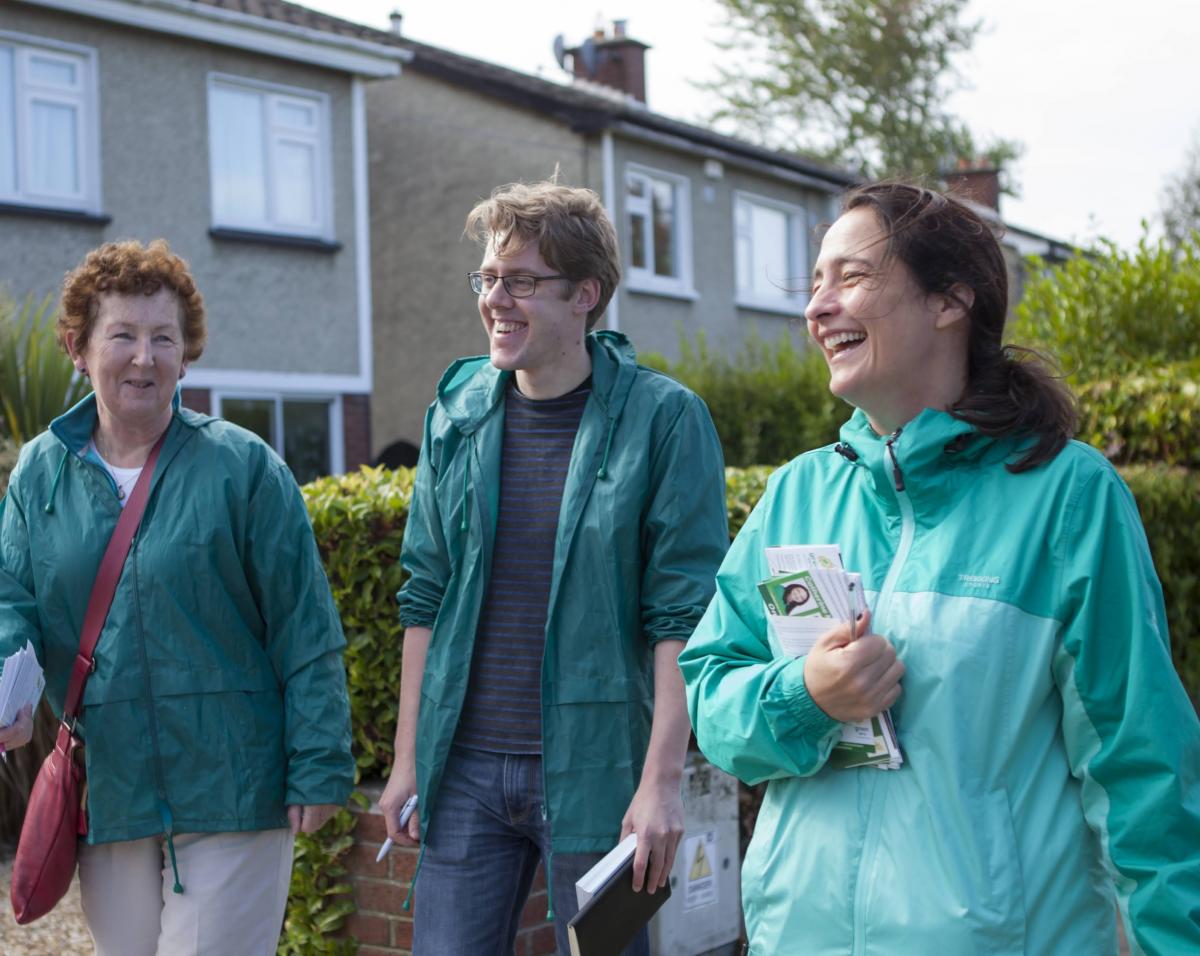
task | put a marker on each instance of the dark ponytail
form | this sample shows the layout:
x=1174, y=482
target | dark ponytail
x=1010, y=390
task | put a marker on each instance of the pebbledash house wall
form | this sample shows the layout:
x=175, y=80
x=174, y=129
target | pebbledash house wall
x=436, y=150
x=281, y=318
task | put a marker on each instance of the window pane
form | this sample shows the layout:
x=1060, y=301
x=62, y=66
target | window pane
x=770, y=244
x=239, y=164
x=637, y=241
x=53, y=72
x=306, y=439
x=54, y=139
x=745, y=263
x=8, y=124
x=255, y=414
x=295, y=192
x=636, y=186
x=664, y=228
x=295, y=114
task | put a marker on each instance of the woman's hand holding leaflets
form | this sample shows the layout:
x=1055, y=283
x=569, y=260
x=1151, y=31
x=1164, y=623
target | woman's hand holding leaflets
x=19, y=732
x=852, y=674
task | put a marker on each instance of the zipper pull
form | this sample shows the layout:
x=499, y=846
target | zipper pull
x=897, y=477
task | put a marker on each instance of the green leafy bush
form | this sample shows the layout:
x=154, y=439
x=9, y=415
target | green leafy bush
x=1168, y=499
x=1142, y=417
x=37, y=379
x=769, y=402
x=1114, y=312
x=319, y=898
x=359, y=520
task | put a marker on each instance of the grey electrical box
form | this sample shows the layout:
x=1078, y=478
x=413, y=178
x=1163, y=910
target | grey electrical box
x=703, y=915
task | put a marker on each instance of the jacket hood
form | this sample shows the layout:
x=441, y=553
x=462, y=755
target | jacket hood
x=472, y=388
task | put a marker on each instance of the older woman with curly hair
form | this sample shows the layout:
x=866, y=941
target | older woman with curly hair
x=216, y=720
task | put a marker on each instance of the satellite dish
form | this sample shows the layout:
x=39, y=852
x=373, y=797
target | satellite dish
x=560, y=51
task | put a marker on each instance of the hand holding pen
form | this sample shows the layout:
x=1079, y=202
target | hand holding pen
x=405, y=812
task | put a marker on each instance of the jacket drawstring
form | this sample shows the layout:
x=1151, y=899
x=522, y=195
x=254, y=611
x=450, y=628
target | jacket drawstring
x=846, y=451
x=168, y=831
x=603, y=472
x=407, y=904
x=49, y=509
x=462, y=527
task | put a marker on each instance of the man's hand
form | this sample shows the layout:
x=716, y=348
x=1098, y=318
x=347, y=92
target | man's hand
x=656, y=816
x=401, y=785
x=310, y=817
x=852, y=674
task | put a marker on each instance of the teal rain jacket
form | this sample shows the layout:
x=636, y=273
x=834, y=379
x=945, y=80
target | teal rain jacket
x=641, y=532
x=219, y=695
x=1050, y=750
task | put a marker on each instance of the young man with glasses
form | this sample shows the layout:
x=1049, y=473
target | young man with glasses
x=567, y=522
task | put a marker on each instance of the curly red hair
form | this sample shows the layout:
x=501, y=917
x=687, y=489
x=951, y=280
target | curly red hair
x=129, y=268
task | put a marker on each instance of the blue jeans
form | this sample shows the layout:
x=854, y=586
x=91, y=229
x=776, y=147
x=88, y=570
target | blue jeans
x=482, y=849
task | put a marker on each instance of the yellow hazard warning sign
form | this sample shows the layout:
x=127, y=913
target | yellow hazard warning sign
x=700, y=888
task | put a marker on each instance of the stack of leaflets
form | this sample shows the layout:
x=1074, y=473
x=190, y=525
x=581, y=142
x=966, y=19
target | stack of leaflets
x=807, y=594
x=21, y=683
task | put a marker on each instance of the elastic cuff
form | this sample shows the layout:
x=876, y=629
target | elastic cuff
x=790, y=709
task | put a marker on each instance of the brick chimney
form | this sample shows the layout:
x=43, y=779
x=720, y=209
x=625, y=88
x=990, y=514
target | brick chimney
x=614, y=60
x=977, y=181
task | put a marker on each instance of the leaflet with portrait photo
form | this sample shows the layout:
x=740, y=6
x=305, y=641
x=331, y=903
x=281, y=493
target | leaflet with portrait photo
x=807, y=594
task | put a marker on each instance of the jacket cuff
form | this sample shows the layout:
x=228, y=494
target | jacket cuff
x=792, y=712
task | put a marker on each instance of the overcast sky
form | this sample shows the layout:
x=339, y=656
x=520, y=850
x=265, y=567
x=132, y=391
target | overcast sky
x=1104, y=95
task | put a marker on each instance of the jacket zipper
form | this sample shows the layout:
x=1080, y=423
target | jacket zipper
x=874, y=817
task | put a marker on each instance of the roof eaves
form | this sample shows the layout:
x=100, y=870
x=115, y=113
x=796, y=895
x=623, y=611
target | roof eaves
x=215, y=23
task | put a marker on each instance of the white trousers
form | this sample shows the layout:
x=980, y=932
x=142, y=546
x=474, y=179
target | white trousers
x=235, y=893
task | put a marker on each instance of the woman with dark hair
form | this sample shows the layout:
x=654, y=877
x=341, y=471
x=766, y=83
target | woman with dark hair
x=1051, y=754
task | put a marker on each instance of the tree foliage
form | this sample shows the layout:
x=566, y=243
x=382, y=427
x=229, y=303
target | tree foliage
x=859, y=83
x=1115, y=312
x=1181, y=200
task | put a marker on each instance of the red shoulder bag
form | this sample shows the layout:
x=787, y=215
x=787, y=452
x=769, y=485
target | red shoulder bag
x=55, y=818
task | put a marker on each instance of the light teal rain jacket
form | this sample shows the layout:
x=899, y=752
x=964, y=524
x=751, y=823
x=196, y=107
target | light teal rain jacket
x=1050, y=750
x=641, y=532
x=219, y=695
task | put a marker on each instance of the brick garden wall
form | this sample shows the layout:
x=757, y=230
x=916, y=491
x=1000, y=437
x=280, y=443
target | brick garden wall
x=382, y=926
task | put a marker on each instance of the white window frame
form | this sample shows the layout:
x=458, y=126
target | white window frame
x=785, y=302
x=321, y=140
x=337, y=441
x=645, y=279
x=85, y=101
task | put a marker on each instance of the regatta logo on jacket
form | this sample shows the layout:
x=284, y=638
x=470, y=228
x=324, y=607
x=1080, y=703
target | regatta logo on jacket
x=979, y=580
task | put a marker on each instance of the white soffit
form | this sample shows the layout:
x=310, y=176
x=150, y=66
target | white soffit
x=231, y=28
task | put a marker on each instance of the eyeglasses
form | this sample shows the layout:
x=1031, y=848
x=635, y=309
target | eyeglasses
x=518, y=286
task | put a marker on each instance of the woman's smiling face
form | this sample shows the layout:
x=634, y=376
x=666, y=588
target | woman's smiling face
x=880, y=332
x=134, y=355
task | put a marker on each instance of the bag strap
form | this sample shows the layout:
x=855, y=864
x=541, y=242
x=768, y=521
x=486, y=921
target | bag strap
x=105, y=585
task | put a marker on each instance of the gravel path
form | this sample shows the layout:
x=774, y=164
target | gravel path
x=61, y=932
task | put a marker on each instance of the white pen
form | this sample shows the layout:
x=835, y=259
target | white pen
x=405, y=812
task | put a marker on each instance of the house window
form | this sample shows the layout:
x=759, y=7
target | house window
x=48, y=154
x=772, y=266
x=270, y=158
x=658, y=217
x=302, y=430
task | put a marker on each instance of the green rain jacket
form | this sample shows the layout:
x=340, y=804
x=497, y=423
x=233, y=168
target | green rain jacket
x=1050, y=750
x=641, y=532
x=219, y=695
